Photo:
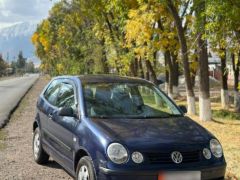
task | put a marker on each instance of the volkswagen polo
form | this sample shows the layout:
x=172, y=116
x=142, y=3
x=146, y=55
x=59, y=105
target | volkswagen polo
x=113, y=128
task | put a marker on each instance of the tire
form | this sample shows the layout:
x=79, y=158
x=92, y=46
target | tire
x=40, y=156
x=85, y=169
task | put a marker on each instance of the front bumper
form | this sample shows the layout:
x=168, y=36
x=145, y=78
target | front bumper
x=210, y=173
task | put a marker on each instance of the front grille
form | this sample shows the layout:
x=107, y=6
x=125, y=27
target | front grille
x=165, y=158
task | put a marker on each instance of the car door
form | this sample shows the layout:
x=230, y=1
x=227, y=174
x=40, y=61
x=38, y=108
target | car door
x=62, y=128
x=47, y=107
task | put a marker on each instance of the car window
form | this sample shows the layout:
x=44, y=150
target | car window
x=52, y=92
x=66, y=96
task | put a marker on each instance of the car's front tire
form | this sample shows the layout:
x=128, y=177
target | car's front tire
x=40, y=156
x=85, y=169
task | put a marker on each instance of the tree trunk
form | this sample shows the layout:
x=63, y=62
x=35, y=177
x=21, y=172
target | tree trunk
x=141, y=68
x=194, y=71
x=175, y=75
x=134, y=67
x=151, y=71
x=236, y=64
x=104, y=58
x=147, y=75
x=184, y=51
x=166, y=75
x=169, y=65
x=205, y=112
x=172, y=73
x=224, y=79
x=114, y=39
x=204, y=90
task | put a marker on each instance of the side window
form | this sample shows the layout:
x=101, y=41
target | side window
x=66, y=96
x=52, y=92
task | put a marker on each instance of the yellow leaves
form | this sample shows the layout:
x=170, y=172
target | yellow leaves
x=132, y=13
x=45, y=67
x=139, y=28
x=60, y=68
x=43, y=40
x=98, y=31
x=62, y=31
x=35, y=38
x=194, y=66
x=142, y=33
x=140, y=51
x=42, y=67
x=144, y=7
x=46, y=26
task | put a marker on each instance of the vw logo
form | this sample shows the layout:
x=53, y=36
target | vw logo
x=177, y=157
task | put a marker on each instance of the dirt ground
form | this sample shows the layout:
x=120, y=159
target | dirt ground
x=16, y=159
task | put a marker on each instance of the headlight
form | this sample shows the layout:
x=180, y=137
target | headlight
x=117, y=153
x=216, y=148
x=137, y=157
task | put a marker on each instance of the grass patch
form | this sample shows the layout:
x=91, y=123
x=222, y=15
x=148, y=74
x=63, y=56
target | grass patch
x=226, y=115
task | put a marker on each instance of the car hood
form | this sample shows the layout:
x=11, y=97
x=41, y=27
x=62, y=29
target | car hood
x=152, y=132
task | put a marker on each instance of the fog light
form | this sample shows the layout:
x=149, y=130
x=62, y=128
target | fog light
x=137, y=157
x=207, y=153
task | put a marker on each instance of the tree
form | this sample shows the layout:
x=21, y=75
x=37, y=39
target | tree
x=236, y=68
x=3, y=66
x=204, y=90
x=184, y=50
x=21, y=61
x=30, y=67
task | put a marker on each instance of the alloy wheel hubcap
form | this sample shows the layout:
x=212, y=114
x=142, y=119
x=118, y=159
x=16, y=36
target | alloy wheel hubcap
x=36, y=146
x=83, y=173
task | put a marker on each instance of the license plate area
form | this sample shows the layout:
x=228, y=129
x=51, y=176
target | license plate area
x=180, y=175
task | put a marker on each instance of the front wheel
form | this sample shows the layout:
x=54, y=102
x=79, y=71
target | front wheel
x=40, y=156
x=85, y=169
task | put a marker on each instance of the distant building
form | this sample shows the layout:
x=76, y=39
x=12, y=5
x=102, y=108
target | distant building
x=214, y=64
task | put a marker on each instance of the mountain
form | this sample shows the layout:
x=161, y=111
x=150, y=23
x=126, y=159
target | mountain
x=17, y=38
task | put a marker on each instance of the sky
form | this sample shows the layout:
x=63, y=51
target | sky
x=15, y=11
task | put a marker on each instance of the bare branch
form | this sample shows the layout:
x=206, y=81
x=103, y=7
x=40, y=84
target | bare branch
x=185, y=9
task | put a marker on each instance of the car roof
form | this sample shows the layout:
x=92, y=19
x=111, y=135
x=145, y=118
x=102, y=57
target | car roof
x=98, y=78
x=105, y=78
x=110, y=79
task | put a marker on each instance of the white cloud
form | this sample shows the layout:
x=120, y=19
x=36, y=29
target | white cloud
x=12, y=11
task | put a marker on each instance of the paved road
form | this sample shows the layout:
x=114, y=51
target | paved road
x=11, y=92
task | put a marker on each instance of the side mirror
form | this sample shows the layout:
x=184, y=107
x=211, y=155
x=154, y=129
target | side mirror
x=183, y=109
x=66, y=111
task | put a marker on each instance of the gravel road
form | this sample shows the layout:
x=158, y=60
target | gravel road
x=16, y=159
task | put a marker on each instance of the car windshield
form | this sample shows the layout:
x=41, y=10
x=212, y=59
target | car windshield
x=127, y=100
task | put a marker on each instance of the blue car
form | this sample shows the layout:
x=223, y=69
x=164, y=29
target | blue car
x=102, y=127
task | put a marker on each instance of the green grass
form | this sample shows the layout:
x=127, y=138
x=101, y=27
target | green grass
x=226, y=115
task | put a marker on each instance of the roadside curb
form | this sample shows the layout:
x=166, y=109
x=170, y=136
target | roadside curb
x=5, y=119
